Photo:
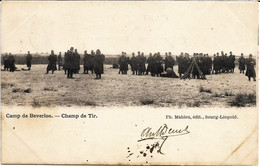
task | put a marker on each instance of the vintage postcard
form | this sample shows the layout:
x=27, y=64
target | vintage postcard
x=129, y=82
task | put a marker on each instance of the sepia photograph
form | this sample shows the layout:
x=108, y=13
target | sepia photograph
x=129, y=82
x=51, y=57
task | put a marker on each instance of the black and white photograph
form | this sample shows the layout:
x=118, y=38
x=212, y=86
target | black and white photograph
x=129, y=72
x=108, y=58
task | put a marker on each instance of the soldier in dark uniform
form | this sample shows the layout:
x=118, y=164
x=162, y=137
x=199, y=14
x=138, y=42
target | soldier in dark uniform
x=233, y=58
x=169, y=61
x=230, y=63
x=77, y=62
x=133, y=64
x=86, y=63
x=29, y=60
x=218, y=65
x=70, y=63
x=59, y=61
x=5, y=60
x=139, y=63
x=123, y=63
x=120, y=60
x=241, y=62
x=65, y=66
x=92, y=60
x=250, y=72
x=52, y=62
x=149, y=61
x=153, y=64
x=159, y=66
x=99, y=60
x=11, y=61
x=143, y=61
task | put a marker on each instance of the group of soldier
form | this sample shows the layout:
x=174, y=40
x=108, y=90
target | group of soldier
x=71, y=64
x=223, y=63
x=138, y=67
x=198, y=66
x=9, y=61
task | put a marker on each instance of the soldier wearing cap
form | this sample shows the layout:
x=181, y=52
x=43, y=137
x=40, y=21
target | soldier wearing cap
x=29, y=60
x=250, y=63
x=99, y=60
x=52, y=62
x=241, y=62
x=11, y=61
x=5, y=60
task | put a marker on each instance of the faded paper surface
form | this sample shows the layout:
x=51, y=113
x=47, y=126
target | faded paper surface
x=116, y=114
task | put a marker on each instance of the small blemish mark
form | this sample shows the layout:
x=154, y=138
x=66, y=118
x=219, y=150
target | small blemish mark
x=13, y=127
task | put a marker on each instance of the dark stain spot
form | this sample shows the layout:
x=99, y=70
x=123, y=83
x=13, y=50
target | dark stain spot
x=13, y=127
x=144, y=154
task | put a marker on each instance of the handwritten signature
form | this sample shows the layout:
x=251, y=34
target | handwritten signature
x=163, y=133
x=160, y=135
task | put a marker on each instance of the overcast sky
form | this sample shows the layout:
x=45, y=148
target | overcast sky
x=113, y=27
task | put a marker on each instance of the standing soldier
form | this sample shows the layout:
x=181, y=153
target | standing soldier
x=133, y=64
x=5, y=60
x=143, y=61
x=171, y=61
x=99, y=59
x=70, y=63
x=241, y=62
x=87, y=62
x=65, y=68
x=52, y=62
x=159, y=66
x=11, y=61
x=59, y=61
x=77, y=61
x=123, y=63
x=250, y=72
x=29, y=60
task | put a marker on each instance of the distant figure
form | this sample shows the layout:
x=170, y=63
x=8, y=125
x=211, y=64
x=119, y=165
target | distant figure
x=250, y=72
x=29, y=60
x=52, y=62
x=242, y=62
x=5, y=60
x=59, y=61
x=11, y=61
